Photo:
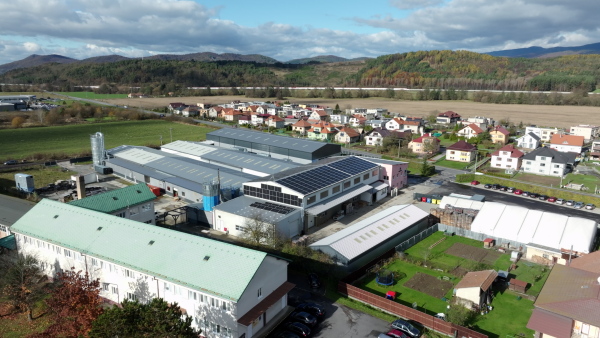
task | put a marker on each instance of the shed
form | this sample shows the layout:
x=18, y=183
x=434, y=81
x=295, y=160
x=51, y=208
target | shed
x=489, y=242
x=517, y=285
x=475, y=289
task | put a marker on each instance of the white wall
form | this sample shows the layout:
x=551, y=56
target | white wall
x=142, y=213
x=543, y=167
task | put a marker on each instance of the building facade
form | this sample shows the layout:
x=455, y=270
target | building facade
x=507, y=157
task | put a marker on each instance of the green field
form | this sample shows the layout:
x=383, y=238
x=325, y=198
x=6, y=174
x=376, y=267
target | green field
x=71, y=140
x=94, y=96
x=452, y=164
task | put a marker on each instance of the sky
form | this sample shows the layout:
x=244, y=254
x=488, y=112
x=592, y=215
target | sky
x=287, y=29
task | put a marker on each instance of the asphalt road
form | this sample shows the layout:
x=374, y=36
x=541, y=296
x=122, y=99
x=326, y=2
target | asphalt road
x=11, y=209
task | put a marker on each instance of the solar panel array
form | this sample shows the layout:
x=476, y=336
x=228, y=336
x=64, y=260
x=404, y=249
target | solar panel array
x=280, y=209
x=313, y=180
x=353, y=165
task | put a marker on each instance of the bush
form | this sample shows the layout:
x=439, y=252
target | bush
x=460, y=315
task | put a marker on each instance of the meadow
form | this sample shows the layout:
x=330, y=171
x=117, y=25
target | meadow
x=94, y=96
x=73, y=140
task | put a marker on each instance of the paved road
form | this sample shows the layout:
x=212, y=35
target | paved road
x=11, y=209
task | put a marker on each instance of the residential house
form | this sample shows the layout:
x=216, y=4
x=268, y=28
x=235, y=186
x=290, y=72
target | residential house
x=190, y=111
x=507, y=157
x=595, y=150
x=569, y=302
x=139, y=262
x=426, y=144
x=481, y=121
x=357, y=121
x=340, y=118
x=244, y=119
x=174, y=105
x=461, y=151
x=231, y=114
x=377, y=123
x=275, y=111
x=397, y=123
x=215, y=112
x=301, y=127
x=135, y=202
x=325, y=131
x=529, y=141
x=567, y=143
x=448, y=117
x=347, y=135
x=544, y=133
x=547, y=161
x=275, y=122
x=470, y=131
x=137, y=95
x=375, y=137
x=587, y=131
x=259, y=119
x=318, y=115
x=474, y=290
x=499, y=135
x=377, y=112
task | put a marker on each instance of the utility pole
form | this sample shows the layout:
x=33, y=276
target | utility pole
x=160, y=140
x=171, y=133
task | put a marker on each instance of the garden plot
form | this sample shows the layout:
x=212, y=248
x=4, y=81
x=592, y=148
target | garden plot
x=429, y=285
x=473, y=253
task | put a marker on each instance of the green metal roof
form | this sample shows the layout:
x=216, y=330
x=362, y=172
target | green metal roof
x=218, y=268
x=9, y=242
x=111, y=201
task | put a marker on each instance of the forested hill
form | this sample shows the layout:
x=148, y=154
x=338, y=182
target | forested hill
x=427, y=69
x=468, y=70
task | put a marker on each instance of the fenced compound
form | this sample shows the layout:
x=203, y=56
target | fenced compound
x=416, y=238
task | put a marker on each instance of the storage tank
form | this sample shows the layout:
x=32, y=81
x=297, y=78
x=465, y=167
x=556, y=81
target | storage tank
x=24, y=183
x=97, y=141
x=210, y=192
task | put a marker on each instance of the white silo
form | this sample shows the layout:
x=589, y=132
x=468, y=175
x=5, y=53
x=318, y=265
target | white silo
x=98, y=156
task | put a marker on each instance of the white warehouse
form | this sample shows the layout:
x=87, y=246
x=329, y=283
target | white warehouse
x=229, y=291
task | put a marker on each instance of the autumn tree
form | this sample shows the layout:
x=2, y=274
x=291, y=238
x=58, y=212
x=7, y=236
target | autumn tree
x=22, y=282
x=257, y=230
x=76, y=303
x=157, y=318
x=17, y=122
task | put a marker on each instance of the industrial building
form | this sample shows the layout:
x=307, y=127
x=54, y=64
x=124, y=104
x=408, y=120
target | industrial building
x=228, y=290
x=254, y=164
x=275, y=146
x=366, y=240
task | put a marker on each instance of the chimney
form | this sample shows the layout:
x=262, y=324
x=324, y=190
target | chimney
x=80, y=187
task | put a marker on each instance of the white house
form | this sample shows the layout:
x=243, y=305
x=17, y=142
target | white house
x=377, y=123
x=481, y=121
x=567, y=143
x=340, y=118
x=529, y=141
x=544, y=133
x=507, y=157
x=228, y=290
x=547, y=161
x=400, y=124
x=472, y=130
x=587, y=131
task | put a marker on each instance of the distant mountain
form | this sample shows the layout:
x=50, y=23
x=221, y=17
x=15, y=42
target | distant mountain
x=35, y=60
x=540, y=52
x=207, y=56
x=105, y=58
x=317, y=59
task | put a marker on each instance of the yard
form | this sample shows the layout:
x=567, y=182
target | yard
x=452, y=164
x=41, y=177
x=538, y=179
x=433, y=266
x=589, y=181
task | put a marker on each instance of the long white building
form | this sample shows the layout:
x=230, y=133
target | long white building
x=229, y=291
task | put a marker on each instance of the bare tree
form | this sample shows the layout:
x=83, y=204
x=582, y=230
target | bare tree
x=258, y=231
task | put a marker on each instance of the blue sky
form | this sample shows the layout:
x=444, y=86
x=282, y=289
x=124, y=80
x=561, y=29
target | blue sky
x=286, y=30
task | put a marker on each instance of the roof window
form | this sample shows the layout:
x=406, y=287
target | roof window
x=206, y=258
x=151, y=242
x=55, y=216
x=115, y=198
x=99, y=228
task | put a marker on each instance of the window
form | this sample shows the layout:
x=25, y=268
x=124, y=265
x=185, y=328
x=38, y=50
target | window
x=556, y=166
x=366, y=176
x=374, y=173
x=167, y=287
x=3, y=228
x=357, y=180
x=168, y=188
x=239, y=228
x=542, y=164
x=225, y=306
x=67, y=253
x=312, y=199
x=115, y=290
x=497, y=164
x=386, y=178
x=214, y=302
x=131, y=296
x=509, y=160
x=324, y=194
x=192, y=295
x=528, y=162
x=121, y=214
x=94, y=262
x=146, y=207
x=542, y=158
x=104, y=286
x=346, y=184
x=134, y=211
x=259, y=292
x=129, y=273
x=336, y=189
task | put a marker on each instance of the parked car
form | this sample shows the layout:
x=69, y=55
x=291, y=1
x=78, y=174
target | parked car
x=502, y=188
x=525, y=193
x=298, y=328
x=518, y=192
x=312, y=308
x=578, y=205
x=510, y=189
x=406, y=327
x=474, y=182
x=560, y=201
x=304, y=318
x=339, y=215
x=533, y=195
x=397, y=334
x=383, y=335
x=495, y=186
x=10, y=162
x=543, y=197
x=487, y=186
x=551, y=199
x=313, y=280
x=590, y=206
x=287, y=334
x=570, y=203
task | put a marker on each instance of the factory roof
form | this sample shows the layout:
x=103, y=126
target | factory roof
x=268, y=139
x=119, y=199
x=247, y=206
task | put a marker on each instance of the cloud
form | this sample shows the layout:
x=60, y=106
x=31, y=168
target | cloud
x=412, y=4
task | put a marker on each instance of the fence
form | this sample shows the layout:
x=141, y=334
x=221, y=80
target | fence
x=416, y=238
x=480, y=237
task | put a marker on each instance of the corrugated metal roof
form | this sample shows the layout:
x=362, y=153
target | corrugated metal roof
x=368, y=233
x=382, y=161
x=258, y=163
x=114, y=200
x=268, y=139
x=550, y=324
x=241, y=207
x=174, y=256
x=460, y=203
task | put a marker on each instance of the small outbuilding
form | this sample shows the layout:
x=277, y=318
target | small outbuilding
x=474, y=291
x=488, y=243
x=517, y=285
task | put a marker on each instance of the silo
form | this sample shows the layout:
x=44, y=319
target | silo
x=210, y=192
x=97, y=148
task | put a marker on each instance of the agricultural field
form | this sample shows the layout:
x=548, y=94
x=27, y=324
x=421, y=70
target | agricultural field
x=73, y=140
x=430, y=270
x=543, y=115
x=94, y=96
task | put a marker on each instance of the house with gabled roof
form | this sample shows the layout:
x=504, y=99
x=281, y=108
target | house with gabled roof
x=375, y=137
x=474, y=290
x=569, y=302
x=135, y=202
x=318, y=115
x=215, y=112
x=190, y=111
x=448, y=117
x=225, y=288
x=325, y=131
x=275, y=122
x=357, y=120
x=567, y=143
x=401, y=124
x=174, y=105
x=425, y=144
x=347, y=135
x=507, y=157
x=231, y=114
x=529, y=141
x=461, y=151
x=588, y=132
x=470, y=131
x=547, y=161
x=301, y=127
x=499, y=135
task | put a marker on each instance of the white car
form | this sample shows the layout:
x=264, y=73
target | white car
x=560, y=201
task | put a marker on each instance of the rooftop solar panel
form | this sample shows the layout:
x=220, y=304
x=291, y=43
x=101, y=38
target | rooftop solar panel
x=352, y=165
x=312, y=180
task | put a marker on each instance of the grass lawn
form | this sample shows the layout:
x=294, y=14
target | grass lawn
x=69, y=140
x=16, y=325
x=509, y=316
x=92, y=95
x=589, y=181
x=41, y=177
x=537, y=179
x=452, y=164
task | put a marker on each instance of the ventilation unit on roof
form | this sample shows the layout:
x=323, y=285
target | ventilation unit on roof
x=151, y=242
x=206, y=258
x=115, y=198
x=55, y=216
x=99, y=228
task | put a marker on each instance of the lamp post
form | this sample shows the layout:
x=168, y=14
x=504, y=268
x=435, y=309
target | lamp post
x=171, y=133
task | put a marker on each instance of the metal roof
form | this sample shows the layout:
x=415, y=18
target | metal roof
x=368, y=233
x=383, y=161
x=268, y=139
x=171, y=255
x=114, y=200
x=241, y=206
x=460, y=203
x=550, y=324
x=338, y=199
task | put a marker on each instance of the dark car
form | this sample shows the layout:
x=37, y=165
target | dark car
x=495, y=186
x=313, y=280
x=298, y=328
x=543, y=197
x=397, y=334
x=10, y=162
x=286, y=334
x=503, y=188
x=487, y=186
x=533, y=195
x=304, y=318
x=525, y=193
x=312, y=308
x=406, y=327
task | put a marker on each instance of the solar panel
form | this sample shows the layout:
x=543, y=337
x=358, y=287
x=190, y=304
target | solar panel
x=280, y=209
x=352, y=165
x=312, y=180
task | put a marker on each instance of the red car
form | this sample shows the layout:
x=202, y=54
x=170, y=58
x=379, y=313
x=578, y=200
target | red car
x=397, y=334
x=474, y=182
x=551, y=199
x=518, y=191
